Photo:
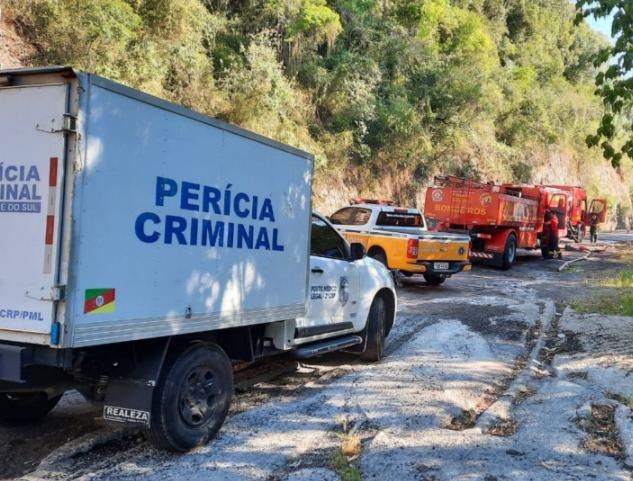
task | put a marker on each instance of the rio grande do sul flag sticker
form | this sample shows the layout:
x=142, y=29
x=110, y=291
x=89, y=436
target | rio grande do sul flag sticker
x=99, y=301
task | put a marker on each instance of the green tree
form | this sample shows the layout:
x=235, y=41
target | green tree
x=615, y=84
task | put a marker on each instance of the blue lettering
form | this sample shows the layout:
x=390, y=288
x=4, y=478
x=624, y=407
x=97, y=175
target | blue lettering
x=182, y=230
x=33, y=174
x=165, y=187
x=229, y=240
x=262, y=239
x=211, y=198
x=189, y=192
x=139, y=227
x=267, y=211
x=213, y=237
x=175, y=226
x=10, y=192
x=237, y=208
x=245, y=235
x=254, y=209
x=227, y=200
x=7, y=173
x=276, y=245
x=20, y=207
x=17, y=314
x=193, y=237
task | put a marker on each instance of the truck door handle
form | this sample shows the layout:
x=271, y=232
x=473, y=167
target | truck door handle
x=317, y=270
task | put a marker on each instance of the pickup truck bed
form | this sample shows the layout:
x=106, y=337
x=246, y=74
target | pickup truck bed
x=398, y=238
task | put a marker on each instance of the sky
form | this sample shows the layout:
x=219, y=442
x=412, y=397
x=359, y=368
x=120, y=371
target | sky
x=602, y=25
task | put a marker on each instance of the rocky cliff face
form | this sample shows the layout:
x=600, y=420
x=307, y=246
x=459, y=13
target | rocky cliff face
x=13, y=51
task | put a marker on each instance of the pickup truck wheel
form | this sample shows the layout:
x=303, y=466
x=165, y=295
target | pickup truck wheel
x=375, y=331
x=433, y=279
x=510, y=252
x=192, y=398
x=25, y=407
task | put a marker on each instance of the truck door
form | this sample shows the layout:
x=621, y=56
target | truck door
x=334, y=282
x=558, y=207
x=599, y=207
x=31, y=172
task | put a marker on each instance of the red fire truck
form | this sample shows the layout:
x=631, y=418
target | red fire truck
x=503, y=217
x=577, y=212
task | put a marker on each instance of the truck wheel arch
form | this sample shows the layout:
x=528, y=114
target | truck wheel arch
x=378, y=253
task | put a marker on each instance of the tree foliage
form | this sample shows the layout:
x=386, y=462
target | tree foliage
x=614, y=83
x=422, y=86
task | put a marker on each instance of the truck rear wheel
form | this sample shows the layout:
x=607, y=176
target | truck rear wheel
x=375, y=331
x=25, y=407
x=433, y=279
x=192, y=398
x=509, y=253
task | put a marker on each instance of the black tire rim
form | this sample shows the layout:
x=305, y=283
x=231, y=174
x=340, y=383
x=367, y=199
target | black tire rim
x=198, y=394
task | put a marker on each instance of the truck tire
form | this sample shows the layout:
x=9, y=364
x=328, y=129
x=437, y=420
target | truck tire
x=25, y=407
x=509, y=252
x=433, y=279
x=375, y=331
x=192, y=398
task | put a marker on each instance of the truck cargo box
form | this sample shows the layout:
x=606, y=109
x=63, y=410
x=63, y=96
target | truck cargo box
x=125, y=217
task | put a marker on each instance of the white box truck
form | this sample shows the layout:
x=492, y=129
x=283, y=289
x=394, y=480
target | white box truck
x=143, y=247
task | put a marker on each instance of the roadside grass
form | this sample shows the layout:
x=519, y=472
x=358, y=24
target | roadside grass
x=619, y=303
x=614, y=296
x=346, y=458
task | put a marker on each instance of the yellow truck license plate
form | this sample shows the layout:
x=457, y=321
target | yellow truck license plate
x=440, y=265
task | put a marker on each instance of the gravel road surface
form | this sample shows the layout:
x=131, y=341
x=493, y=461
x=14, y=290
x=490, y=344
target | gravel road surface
x=487, y=377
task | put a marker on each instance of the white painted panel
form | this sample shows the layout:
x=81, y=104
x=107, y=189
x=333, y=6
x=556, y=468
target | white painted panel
x=155, y=188
x=31, y=171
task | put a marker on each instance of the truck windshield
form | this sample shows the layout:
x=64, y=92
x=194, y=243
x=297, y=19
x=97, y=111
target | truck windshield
x=406, y=219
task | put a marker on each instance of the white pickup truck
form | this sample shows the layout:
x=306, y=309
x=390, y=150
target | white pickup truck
x=145, y=246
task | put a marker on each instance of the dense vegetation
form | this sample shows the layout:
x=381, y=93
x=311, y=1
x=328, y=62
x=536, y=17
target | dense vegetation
x=386, y=94
x=614, y=83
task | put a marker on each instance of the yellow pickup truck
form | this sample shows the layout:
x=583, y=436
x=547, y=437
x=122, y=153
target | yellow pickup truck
x=399, y=238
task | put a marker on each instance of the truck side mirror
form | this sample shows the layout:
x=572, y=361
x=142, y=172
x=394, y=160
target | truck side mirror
x=358, y=251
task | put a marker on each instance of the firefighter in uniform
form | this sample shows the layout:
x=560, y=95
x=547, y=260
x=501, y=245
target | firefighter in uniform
x=551, y=225
x=593, y=228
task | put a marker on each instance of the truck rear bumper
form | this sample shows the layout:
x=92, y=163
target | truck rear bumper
x=453, y=267
x=490, y=258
